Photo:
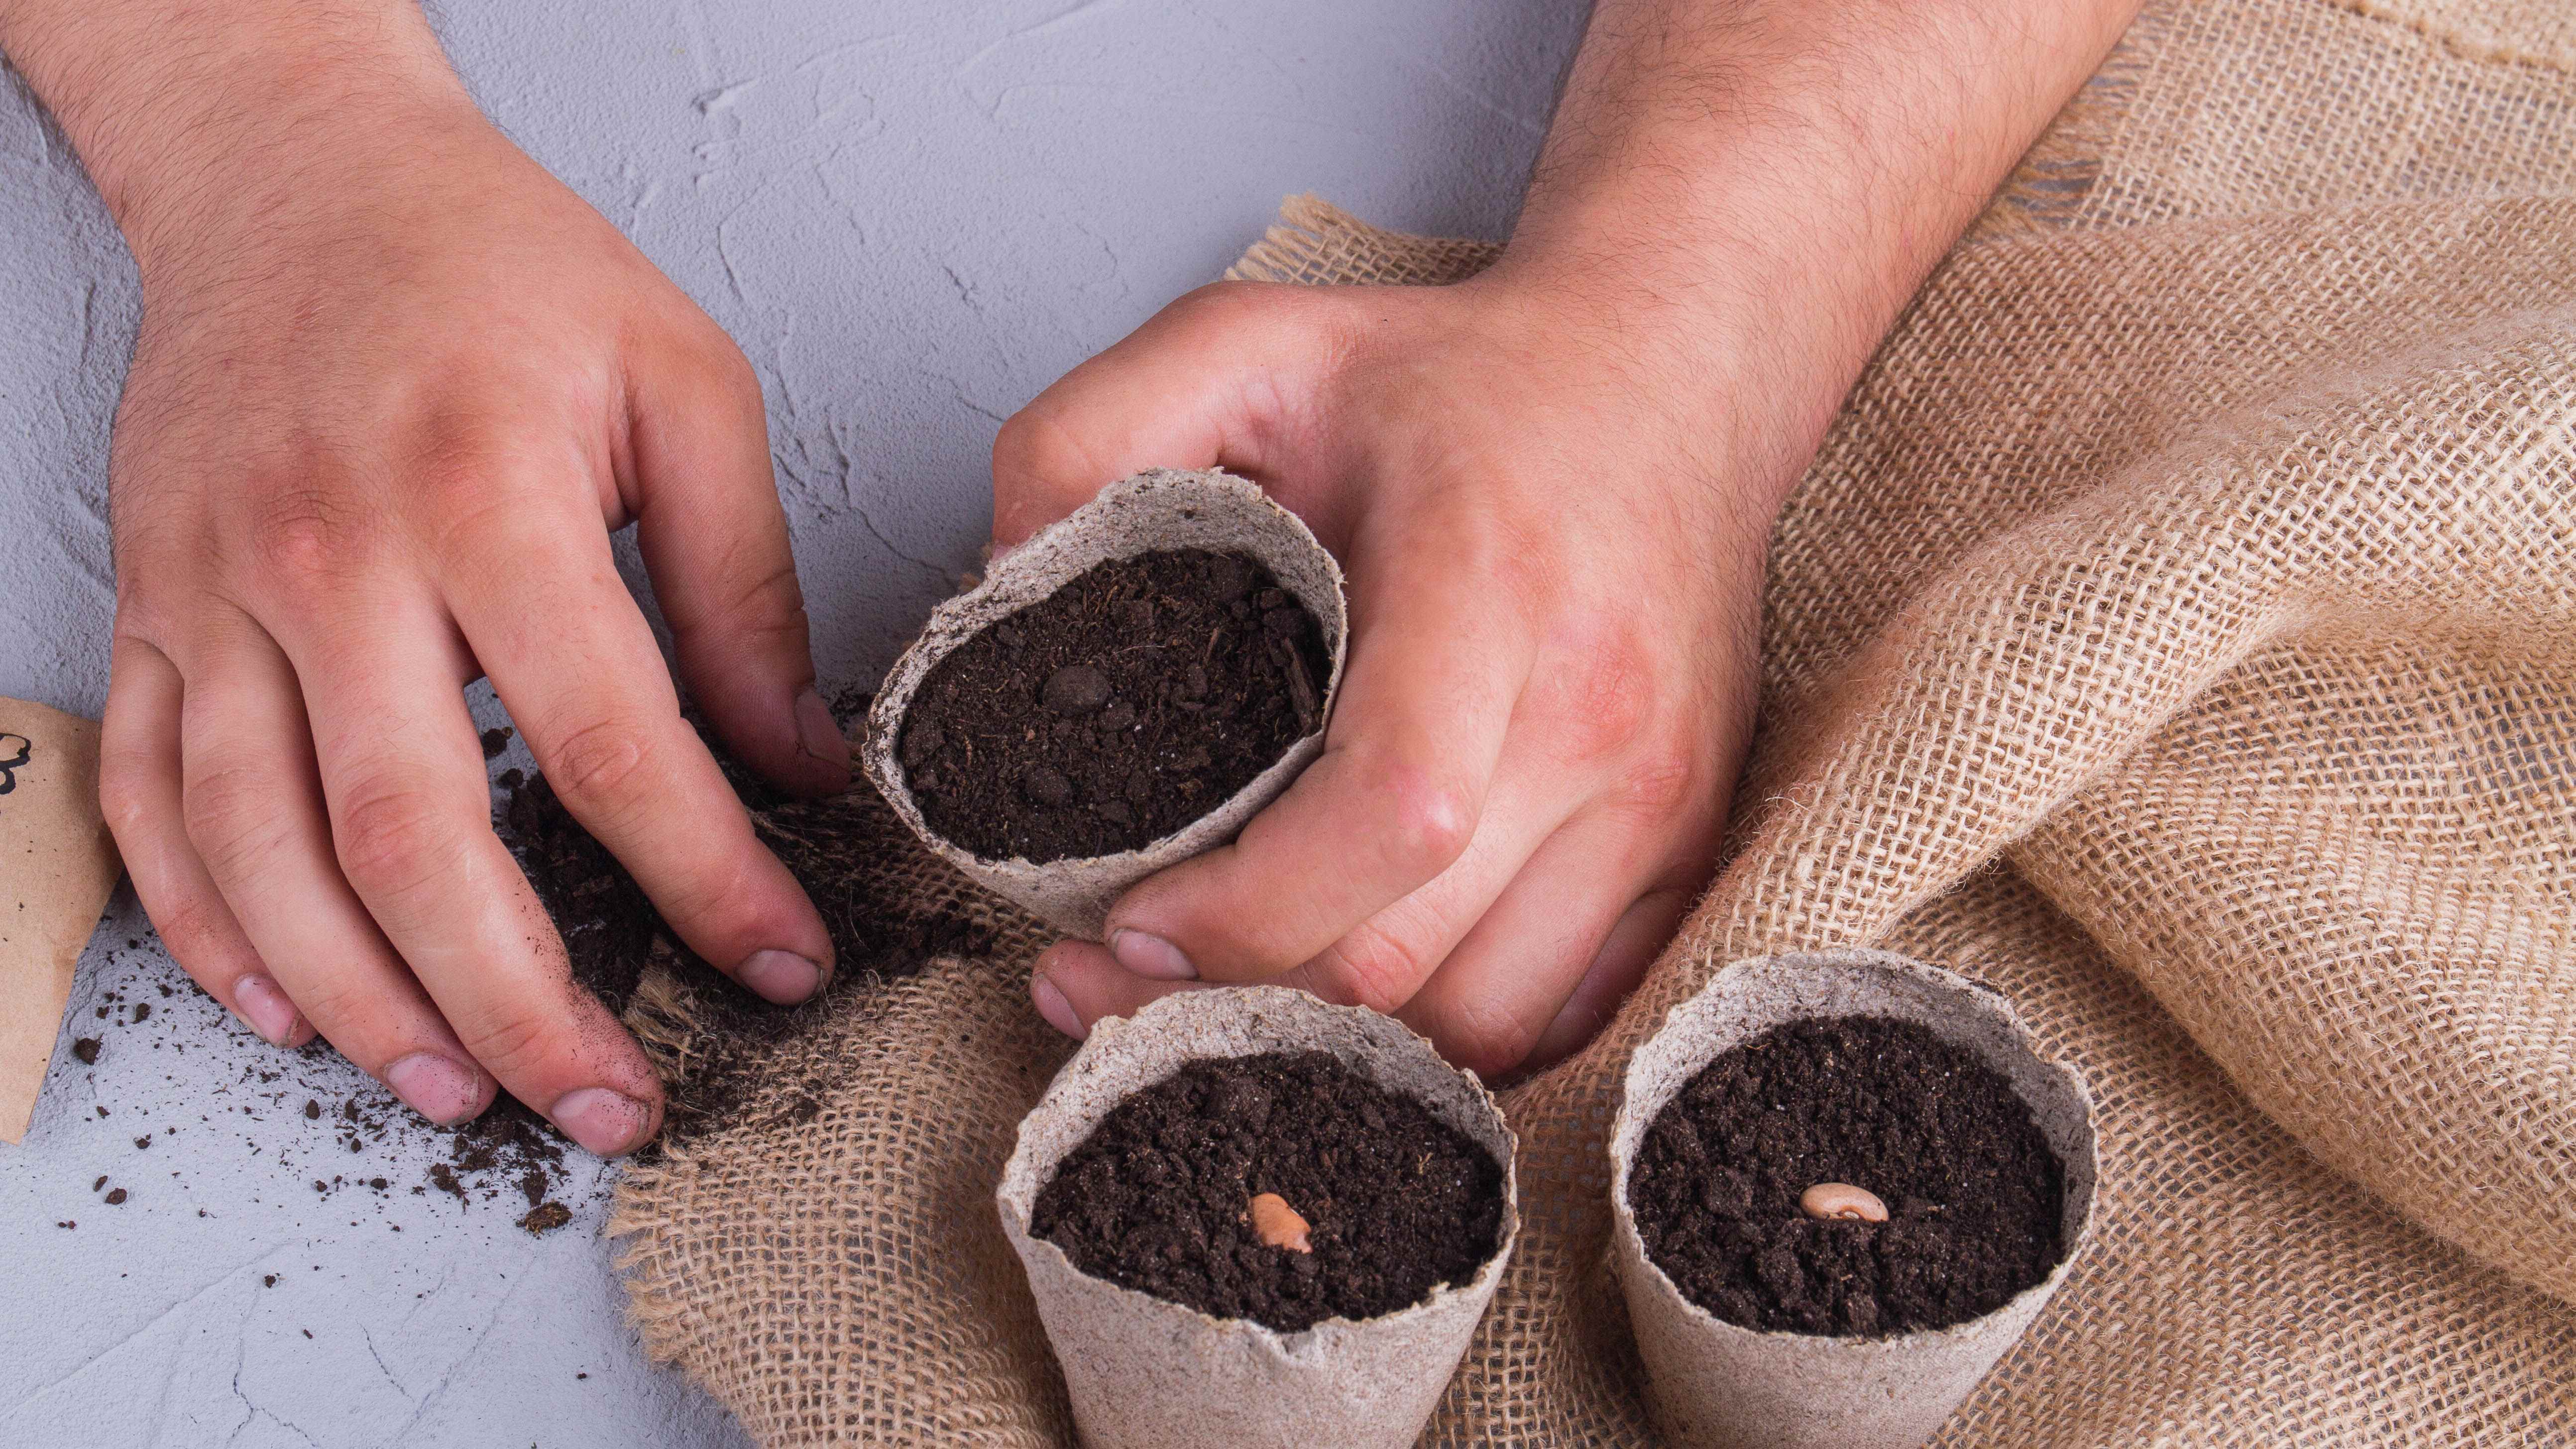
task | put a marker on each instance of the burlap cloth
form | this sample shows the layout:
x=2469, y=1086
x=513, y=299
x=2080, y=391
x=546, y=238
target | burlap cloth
x=2177, y=632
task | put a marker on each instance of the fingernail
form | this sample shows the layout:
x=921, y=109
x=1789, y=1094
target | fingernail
x=435, y=1087
x=818, y=734
x=781, y=976
x=1057, y=1010
x=265, y=1008
x=601, y=1120
x=1151, y=956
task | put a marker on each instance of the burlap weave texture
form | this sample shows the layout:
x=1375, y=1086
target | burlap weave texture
x=2177, y=632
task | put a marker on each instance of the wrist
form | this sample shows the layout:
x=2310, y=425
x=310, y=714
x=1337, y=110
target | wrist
x=197, y=126
x=1730, y=348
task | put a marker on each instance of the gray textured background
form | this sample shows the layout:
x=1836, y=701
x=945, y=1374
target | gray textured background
x=913, y=217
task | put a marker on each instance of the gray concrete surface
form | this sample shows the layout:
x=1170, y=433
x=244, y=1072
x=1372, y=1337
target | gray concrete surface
x=913, y=216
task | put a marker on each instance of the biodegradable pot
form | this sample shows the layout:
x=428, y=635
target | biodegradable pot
x=1146, y=1372
x=1718, y=1383
x=1150, y=512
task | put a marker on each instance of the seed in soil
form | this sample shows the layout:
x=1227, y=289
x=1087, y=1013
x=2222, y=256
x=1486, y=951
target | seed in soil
x=1161, y=1197
x=1840, y=1200
x=1973, y=1199
x=1117, y=710
x=1279, y=1225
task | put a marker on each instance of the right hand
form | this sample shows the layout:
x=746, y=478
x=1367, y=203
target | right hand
x=395, y=386
x=1553, y=518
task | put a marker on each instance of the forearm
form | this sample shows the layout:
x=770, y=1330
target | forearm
x=193, y=113
x=1776, y=177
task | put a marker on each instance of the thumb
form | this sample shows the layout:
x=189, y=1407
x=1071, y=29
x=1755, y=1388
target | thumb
x=1212, y=381
x=714, y=539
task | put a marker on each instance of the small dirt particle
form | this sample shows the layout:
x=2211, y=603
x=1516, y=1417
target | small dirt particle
x=87, y=1050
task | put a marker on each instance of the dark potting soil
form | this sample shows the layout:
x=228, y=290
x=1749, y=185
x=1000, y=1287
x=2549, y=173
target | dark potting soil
x=1129, y=703
x=1158, y=1197
x=606, y=921
x=1974, y=1195
x=856, y=862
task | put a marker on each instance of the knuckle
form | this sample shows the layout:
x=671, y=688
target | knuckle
x=231, y=817
x=391, y=840
x=1663, y=785
x=193, y=928
x=345, y=1006
x=301, y=541
x=728, y=375
x=703, y=369
x=711, y=893
x=1427, y=817
x=768, y=603
x=510, y=1044
x=1376, y=970
x=126, y=798
x=1230, y=305
x=1038, y=452
x=462, y=478
x=145, y=615
x=1484, y=1041
x=1609, y=697
x=600, y=765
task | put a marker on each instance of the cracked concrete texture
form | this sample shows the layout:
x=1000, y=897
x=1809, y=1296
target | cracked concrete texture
x=912, y=218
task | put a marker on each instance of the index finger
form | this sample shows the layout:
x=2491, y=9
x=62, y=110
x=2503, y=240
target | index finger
x=540, y=603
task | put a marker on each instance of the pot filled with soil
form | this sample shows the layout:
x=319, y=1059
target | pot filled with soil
x=1843, y=1184
x=1252, y=1218
x=1120, y=693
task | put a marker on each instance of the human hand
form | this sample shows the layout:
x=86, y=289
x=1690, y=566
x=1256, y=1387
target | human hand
x=394, y=387
x=1554, y=547
x=1550, y=487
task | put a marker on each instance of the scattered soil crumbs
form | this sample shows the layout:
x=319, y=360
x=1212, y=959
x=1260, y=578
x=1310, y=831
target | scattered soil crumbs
x=504, y=1150
x=545, y=1218
x=1158, y=1197
x=1129, y=703
x=1974, y=1195
x=319, y=1114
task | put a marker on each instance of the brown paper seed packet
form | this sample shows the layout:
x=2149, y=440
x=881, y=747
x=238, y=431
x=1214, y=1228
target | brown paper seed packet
x=57, y=866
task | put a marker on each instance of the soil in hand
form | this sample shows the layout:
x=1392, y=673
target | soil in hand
x=1974, y=1196
x=1158, y=1198
x=1129, y=703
